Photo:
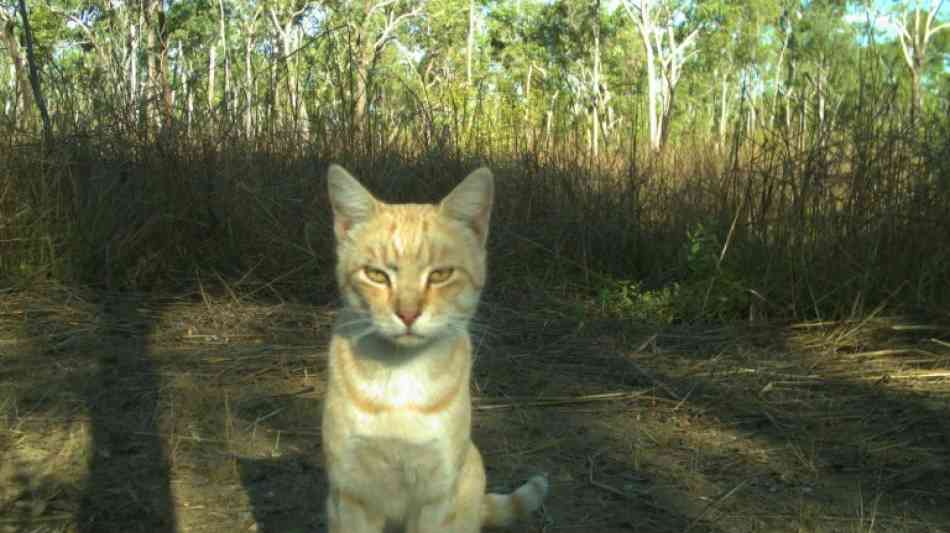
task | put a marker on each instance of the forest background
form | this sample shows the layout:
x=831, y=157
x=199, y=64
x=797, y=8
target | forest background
x=666, y=160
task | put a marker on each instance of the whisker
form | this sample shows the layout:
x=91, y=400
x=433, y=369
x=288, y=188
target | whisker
x=361, y=335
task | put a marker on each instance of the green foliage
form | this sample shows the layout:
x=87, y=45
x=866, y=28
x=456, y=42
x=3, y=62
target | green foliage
x=712, y=290
x=787, y=113
x=629, y=300
x=708, y=290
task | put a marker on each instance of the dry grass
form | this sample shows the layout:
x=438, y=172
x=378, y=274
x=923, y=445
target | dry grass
x=132, y=413
x=786, y=231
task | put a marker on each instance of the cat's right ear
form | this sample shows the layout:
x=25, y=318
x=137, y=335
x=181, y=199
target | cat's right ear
x=351, y=202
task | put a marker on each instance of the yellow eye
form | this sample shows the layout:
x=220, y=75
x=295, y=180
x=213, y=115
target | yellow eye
x=376, y=275
x=440, y=275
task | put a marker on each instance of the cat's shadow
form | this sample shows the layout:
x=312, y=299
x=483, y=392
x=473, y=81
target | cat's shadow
x=287, y=494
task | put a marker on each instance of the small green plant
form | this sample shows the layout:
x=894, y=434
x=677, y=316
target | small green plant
x=701, y=246
x=713, y=289
x=628, y=299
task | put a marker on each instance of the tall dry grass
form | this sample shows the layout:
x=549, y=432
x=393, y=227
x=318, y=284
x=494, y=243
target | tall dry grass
x=781, y=224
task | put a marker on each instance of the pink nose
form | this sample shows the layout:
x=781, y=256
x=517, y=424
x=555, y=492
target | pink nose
x=408, y=317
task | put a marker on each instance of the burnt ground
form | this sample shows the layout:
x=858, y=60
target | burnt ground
x=127, y=413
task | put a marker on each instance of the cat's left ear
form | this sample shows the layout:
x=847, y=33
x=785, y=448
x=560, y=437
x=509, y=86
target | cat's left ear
x=351, y=202
x=471, y=202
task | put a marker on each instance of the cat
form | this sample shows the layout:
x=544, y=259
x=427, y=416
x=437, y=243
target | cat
x=397, y=415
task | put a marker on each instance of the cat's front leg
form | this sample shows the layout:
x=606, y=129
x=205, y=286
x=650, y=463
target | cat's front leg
x=348, y=513
x=442, y=517
x=459, y=512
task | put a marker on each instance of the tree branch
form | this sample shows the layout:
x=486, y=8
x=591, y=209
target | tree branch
x=393, y=23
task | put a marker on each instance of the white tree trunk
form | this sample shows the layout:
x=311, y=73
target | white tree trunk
x=914, y=43
x=470, y=42
x=653, y=96
x=212, y=52
x=226, y=95
x=723, y=110
x=595, y=89
x=248, y=87
x=133, y=62
x=664, y=64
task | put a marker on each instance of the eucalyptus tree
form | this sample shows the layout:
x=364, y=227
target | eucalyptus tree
x=30, y=34
x=819, y=50
x=20, y=98
x=249, y=24
x=372, y=26
x=579, y=36
x=286, y=18
x=669, y=35
x=518, y=56
x=434, y=68
x=38, y=96
x=916, y=28
x=732, y=62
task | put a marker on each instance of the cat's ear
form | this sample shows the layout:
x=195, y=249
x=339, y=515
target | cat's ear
x=351, y=202
x=471, y=201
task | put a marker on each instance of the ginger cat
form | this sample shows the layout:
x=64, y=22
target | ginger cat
x=397, y=417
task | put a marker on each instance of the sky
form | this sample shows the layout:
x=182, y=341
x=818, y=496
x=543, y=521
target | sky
x=882, y=12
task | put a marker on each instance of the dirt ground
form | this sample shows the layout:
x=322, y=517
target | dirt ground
x=126, y=413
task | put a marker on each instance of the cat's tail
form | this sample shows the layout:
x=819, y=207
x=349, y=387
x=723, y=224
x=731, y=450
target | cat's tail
x=501, y=510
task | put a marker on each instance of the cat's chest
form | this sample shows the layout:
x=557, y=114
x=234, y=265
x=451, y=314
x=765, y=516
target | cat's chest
x=408, y=408
x=415, y=407
x=399, y=444
x=403, y=388
x=402, y=415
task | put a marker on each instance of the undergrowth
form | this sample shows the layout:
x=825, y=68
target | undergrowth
x=778, y=230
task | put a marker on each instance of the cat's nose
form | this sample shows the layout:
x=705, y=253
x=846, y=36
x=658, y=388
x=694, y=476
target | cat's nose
x=408, y=317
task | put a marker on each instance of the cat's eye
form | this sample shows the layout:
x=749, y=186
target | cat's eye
x=376, y=275
x=440, y=275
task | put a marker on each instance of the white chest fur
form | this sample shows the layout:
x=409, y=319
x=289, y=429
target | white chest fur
x=398, y=429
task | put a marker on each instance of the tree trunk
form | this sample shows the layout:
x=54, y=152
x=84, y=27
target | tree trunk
x=151, y=65
x=667, y=117
x=212, y=62
x=248, y=85
x=470, y=42
x=226, y=95
x=527, y=95
x=653, y=88
x=595, y=83
x=34, y=75
x=290, y=73
x=300, y=107
x=915, y=100
x=363, y=66
x=723, y=111
x=161, y=50
x=22, y=94
x=9, y=103
x=133, y=58
x=778, y=80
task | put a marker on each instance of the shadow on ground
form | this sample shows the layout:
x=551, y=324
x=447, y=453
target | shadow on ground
x=203, y=415
x=286, y=494
x=86, y=387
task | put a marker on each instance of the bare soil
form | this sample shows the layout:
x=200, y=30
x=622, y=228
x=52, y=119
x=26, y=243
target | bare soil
x=120, y=412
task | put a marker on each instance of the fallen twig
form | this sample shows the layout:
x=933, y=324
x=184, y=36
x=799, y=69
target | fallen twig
x=604, y=486
x=716, y=503
x=556, y=400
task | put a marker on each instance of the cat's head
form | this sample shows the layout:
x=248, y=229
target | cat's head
x=411, y=273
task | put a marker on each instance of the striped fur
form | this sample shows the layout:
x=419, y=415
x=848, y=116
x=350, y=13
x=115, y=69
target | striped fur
x=397, y=416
